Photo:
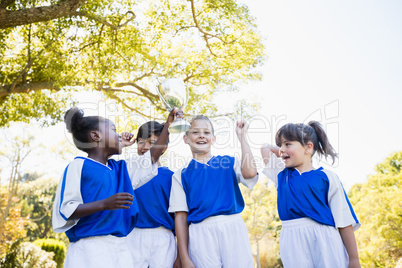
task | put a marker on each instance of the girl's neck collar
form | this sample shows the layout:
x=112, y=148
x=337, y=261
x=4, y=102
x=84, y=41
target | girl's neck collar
x=306, y=170
x=202, y=158
x=94, y=160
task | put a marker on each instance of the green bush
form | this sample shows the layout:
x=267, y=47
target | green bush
x=56, y=246
x=26, y=254
x=10, y=258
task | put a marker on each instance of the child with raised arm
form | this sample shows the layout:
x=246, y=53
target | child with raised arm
x=152, y=242
x=318, y=221
x=207, y=201
x=95, y=203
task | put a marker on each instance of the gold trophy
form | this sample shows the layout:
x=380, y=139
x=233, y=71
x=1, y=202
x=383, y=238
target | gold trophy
x=174, y=94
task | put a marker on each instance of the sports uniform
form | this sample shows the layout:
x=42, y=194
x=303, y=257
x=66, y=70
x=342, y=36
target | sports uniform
x=152, y=243
x=99, y=239
x=311, y=206
x=211, y=195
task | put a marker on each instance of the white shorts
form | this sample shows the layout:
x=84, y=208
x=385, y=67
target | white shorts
x=305, y=243
x=98, y=252
x=153, y=247
x=220, y=241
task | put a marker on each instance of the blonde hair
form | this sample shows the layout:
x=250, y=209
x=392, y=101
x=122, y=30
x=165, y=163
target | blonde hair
x=201, y=117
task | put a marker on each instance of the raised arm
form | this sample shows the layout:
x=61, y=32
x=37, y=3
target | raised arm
x=181, y=227
x=160, y=144
x=266, y=152
x=248, y=166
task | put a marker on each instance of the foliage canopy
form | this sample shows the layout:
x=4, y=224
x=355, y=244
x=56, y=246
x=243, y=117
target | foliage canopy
x=116, y=47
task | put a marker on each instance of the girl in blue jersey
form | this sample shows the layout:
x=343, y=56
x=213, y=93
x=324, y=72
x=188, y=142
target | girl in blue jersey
x=95, y=203
x=207, y=201
x=318, y=221
x=152, y=243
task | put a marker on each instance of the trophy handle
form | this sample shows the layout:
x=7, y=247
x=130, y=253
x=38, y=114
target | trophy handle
x=156, y=84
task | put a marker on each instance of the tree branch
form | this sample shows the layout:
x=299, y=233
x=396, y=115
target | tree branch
x=6, y=3
x=26, y=88
x=12, y=87
x=13, y=18
x=183, y=28
x=112, y=96
x=104, y=21
x=66, y=8
x=207, y=35
x=145, y=92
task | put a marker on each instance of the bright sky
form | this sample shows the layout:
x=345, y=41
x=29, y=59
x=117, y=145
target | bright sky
x=344, y=55
x=338, y=62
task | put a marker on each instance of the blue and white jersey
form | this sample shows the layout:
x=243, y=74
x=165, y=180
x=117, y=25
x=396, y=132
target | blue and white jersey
x=141, y=169
x=84, y=181
x=211, y=189
x=317, y=194
x=153, y=201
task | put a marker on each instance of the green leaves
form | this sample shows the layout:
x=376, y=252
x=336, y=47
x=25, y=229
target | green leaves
x=23, y=107
x=378, y=205
x=206, y=43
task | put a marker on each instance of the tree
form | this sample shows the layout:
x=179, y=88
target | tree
x=37, y=204
x=260, y=214
x=116, y=47
x=378, y=204
x=19, y=149
x=13, y=228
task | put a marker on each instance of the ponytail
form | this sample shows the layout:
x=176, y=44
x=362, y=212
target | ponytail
x=323, y=146
x=73, y=118
x=80, y=126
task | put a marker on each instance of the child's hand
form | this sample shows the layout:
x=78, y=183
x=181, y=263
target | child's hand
x=271, y=148
x=175, y=112
x=118, y=201
x=177, y=263
x=126, y=139
x=241, y=129
x=187, y=264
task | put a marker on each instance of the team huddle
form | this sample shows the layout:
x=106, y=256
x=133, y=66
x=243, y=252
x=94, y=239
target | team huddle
x=137, y=213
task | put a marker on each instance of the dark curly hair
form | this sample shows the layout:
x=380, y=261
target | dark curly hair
x=80, y=126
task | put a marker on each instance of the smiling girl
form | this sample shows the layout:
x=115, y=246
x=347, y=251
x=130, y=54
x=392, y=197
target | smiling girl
x=318, y=221
x=207, y=201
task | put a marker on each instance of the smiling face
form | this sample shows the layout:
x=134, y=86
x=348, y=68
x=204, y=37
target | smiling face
x=200, y=137
x=295, y=155
x=145, y=144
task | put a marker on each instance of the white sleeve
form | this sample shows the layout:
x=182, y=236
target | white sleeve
x=141, y=169
x=273, y=168
x=177, y=201
x=249, y=183
x=68, y=197
x=341, y=209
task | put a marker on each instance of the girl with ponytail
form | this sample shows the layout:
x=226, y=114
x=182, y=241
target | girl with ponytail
x=318, y=221
x=95, y=204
